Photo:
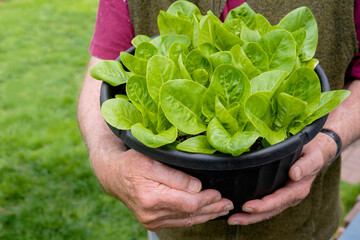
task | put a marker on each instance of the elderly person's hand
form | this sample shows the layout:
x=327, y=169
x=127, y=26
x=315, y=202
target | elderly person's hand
x=159, y=196
x=317, y=153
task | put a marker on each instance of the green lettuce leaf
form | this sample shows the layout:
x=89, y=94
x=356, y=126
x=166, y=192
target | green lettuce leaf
x=145, y=50
x=229, y=82
x=259, y=111
x=181, y=103
x=280, y=47
x=134, y=64
x=151, y=139
x=140, y=39
x=302, y=18
x=110, y=71
x=268, y=81
x=243, y=13
x=139, y=95
x=120, y=113
x=159, y=70
x=225, y=142
x=198, y=66
x=171, y=24
x=197, y=144
x=257, y=56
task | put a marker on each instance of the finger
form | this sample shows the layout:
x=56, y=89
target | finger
x=187, y=202
x=309, y=164
x=287, y=196
x=246, y=218
x=189, y=221
x=153, y=217
x=175, y=178
x=222, y=206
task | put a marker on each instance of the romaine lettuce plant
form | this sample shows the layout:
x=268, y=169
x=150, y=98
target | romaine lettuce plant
x=205, y=86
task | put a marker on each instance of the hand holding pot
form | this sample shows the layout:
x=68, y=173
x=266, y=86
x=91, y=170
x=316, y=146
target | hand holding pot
x=314, y=156
x=159, y=196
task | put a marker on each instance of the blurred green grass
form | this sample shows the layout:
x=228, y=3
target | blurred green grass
x=47, y=188
x=348, y=193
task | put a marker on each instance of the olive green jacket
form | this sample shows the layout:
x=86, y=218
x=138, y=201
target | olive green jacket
x=317, y=216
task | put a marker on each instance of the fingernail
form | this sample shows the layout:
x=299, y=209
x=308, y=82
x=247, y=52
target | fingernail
x=297, y=172
x=194, y=186
x=248, y=209
x=229, y=207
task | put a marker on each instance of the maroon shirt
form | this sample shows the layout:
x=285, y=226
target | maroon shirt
x=353, y=71
x=114, y=32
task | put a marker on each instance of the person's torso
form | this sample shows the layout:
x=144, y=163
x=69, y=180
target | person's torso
x=317, y=216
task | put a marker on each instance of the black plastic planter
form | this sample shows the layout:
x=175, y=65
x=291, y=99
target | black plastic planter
x=249, y=176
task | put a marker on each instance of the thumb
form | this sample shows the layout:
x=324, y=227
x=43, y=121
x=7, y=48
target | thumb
x=309, y=164
x=174, y=178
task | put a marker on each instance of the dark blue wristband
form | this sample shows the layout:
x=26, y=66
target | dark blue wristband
x=337, y=140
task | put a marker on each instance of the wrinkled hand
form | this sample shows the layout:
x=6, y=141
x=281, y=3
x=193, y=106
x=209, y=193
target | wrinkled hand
x=159, y=196
x=314, y=156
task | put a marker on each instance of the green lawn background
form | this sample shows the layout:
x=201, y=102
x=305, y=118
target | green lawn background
x=47, y=188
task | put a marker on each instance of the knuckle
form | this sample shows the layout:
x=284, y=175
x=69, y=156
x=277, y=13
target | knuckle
x=268, y=216
x=191, y=206
x=283, y=202
x=148, y=202
x=301, y=193
x=189, y=222
x=147, y=220
x=295, y=203
x=305, y=193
